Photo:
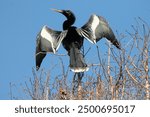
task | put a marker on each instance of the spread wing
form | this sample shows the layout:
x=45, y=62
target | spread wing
x=97, y=28
x=48, y=40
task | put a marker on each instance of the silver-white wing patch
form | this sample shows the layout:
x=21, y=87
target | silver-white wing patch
x=48, y=40
x=97, y=28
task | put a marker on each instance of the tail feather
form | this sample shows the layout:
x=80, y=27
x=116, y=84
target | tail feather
x=77, y=62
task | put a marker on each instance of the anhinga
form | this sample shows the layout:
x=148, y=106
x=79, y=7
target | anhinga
x=72, y=38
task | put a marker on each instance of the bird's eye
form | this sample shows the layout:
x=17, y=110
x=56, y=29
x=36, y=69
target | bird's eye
x=68, y=11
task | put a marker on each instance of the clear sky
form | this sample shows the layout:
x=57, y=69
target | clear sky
x=21, y=20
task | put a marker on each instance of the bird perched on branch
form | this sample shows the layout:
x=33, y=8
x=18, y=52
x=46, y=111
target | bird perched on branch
x=49, y=40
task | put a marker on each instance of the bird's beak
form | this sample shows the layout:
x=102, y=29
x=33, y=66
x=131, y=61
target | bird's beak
x=56, y=10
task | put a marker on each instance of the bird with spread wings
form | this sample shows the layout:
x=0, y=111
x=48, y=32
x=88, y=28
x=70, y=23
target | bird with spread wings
x=72, y=39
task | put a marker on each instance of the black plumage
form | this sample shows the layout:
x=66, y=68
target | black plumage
x=72, y=39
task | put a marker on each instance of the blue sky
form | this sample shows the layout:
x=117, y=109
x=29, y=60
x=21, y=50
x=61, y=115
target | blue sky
x=21, y=20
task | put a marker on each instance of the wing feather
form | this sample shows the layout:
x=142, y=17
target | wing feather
x=97, y=28
x=48, y=40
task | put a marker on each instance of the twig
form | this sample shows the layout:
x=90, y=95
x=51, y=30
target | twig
x=134, y=79
x=50, y=53
x=87, y=51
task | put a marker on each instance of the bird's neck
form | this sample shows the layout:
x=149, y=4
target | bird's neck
x=68, y=23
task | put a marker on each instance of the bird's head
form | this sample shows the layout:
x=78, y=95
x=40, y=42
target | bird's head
x=70, y=17
x=68, y=13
